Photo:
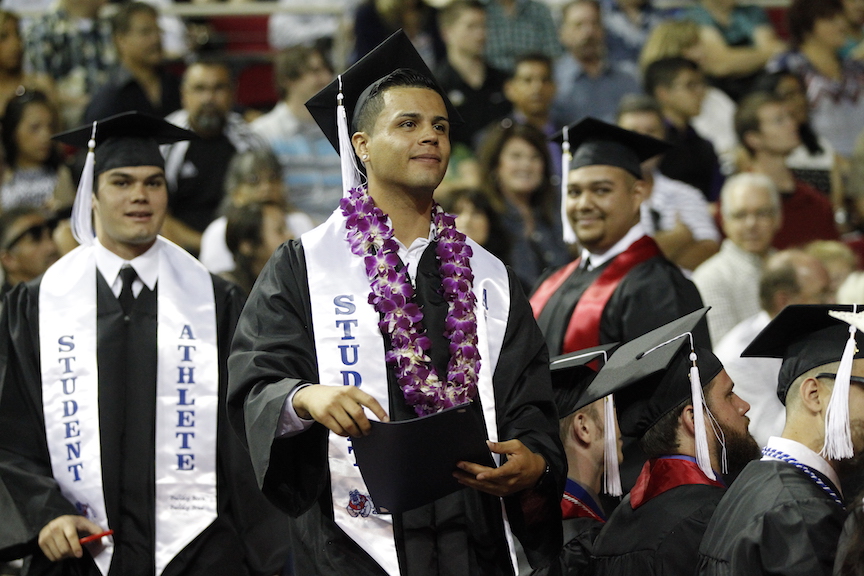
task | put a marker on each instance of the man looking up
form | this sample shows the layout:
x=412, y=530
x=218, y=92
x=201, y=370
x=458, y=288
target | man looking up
x=784, y=513
x=289, y=397
x=97, y=431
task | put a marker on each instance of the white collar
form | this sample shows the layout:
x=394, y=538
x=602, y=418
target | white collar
x=145, y=265
x=634, y=234
x=805, y=456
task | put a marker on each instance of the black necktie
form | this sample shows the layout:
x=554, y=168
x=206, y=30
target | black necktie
x=127, y=298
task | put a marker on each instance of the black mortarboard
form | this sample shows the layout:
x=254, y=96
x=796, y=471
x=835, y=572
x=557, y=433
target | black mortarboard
x=571, y=375
x=593, y=142
x=805, y=337
x=359, y=80
x=126, y=139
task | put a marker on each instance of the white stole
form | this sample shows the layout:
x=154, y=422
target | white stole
x=350, y=351
x=186, y=403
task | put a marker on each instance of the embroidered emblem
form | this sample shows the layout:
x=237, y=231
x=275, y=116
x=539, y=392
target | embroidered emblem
x=83, y=509
x=358, y=504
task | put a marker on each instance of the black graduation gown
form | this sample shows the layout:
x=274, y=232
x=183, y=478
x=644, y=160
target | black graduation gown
x=661, y=536
x=575, y=556
x=774, y=519
x=274, y=351
x=242, y=540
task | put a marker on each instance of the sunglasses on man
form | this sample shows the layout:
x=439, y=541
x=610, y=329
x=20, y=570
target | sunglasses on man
x=36, y=233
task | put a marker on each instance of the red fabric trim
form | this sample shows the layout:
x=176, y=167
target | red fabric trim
x=661, y=474
x=572, y=507
x=583, y=331
x=550, y=286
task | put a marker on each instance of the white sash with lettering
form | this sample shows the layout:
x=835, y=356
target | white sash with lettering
x=350, y=351
x=187, y=394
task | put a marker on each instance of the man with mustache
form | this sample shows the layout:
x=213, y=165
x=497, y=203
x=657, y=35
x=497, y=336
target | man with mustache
x=195, y=170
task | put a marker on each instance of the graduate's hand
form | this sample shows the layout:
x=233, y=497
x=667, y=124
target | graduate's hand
x=522, y=470
x=59, y=538
x=339, y=408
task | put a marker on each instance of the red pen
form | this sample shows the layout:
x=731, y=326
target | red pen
x=95, y=537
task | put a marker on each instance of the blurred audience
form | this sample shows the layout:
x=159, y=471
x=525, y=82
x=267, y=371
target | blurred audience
x=853, y=10
x=515, y=165
x=729, y=280
x=679, y=87
x=138, y=82
x=195, y=169
x=516, y=27
x=588, y=83
x=252, y=176
x=628, y=24
x=375, y=20
x=675, y=214
x=73, y=45
x=769, y=133
x=253, y=232
x=26, y=246
x=834, y=87
x=475, y=88
x=13, y=79
x=838, y=259
x=478, y=219
x=35, y=175
x=310, y=166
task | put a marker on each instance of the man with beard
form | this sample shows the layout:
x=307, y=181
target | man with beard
x=785, y=512
x=195, y=169
x=689, y=439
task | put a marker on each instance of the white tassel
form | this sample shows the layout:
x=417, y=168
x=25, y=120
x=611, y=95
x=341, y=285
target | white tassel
x=703, y=456
x=82, y=217
x=612, y=475
x=351, y=176
x=566, y=157
x=838, y=437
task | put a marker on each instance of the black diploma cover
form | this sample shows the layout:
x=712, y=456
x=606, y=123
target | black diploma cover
x=409, y=463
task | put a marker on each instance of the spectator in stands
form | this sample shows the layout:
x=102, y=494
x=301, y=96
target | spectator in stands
x=588, y=83
x=475, y=88
x=73, y=45
x=834, y=87
x=310, y=166
x=13, y=79
x=679, y=87
x=517, y=27
x=35, y=175
x=628, y=24
x=253, y=176
x=138, y=82
x=839, y=261
x=853, y=10
x=675, y=214
x=26, y=247
x=729, y=280
x=195, y=169
x=789, y=277
x=855, y=182
x=769, y=134
x=738, y=41
x=515, y=165
x=478, y=219
x=716, y=119
x=253, y=232
x=295, y=28
x=376, y=20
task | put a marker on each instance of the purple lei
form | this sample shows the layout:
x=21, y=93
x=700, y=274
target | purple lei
x=371, y=237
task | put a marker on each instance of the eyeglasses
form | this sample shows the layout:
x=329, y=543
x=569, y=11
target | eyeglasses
x=855, y=379
x=36, y=233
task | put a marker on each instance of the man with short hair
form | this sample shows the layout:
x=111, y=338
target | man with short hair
x=475, y=88
x=26, y=246
x=729, y=280
x=98, y=433
x=310, y=167
x=307, y=330
x=195, y=169
x=588, y=83
x=679, y=86
x=784, y=514
x=768, y=132
x=789, y=277
x=139, y=82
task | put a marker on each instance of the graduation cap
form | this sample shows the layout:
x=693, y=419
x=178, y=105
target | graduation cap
x=809, y=336
x=571, y=376
x=127, y=139
x=591, y=142
x=338, y=104
x=656, y=372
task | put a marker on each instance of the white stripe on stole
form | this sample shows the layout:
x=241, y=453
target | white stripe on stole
x=187, y=395
x=350, y=351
